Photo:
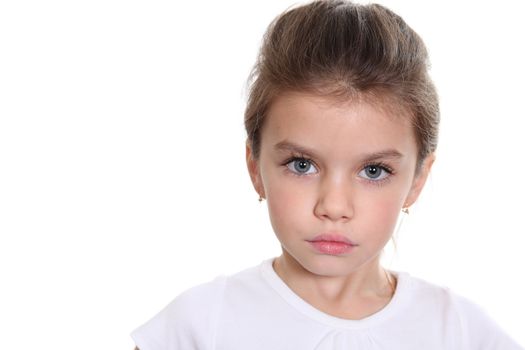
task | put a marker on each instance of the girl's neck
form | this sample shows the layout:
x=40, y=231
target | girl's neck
x=355, y=296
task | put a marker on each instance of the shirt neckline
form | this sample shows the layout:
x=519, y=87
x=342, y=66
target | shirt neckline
x=277, y=284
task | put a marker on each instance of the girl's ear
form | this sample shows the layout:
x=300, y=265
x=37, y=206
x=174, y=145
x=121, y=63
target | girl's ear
x=419, y=180
x=253, y=169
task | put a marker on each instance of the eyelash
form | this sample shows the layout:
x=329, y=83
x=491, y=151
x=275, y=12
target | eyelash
x=380, y=165
x=294, y=158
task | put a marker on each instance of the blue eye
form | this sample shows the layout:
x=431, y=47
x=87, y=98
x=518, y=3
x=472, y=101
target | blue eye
x=375, y=172
x=301, y=166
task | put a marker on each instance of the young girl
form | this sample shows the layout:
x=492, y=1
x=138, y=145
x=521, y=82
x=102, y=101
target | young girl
x=342, y=124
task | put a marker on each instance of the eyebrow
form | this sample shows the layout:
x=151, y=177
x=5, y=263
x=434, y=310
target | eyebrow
x=290, y=146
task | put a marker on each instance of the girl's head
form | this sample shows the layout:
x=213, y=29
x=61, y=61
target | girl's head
x=346, y=51
x=342, y=122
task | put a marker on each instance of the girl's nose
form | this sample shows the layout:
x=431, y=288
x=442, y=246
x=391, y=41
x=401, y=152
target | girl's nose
x=334, y=201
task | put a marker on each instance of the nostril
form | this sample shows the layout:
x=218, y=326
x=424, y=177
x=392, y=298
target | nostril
x=334, y=211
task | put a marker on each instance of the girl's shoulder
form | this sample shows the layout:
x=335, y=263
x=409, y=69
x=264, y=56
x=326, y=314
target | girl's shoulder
x=185, y=322
x=425, y=292
x=439, y=299
x=189, y=321
x=473, y=322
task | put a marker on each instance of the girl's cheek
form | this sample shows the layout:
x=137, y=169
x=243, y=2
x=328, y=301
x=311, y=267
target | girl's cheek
x=289, y=204
x=294, y=198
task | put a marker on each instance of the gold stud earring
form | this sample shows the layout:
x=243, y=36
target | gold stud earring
x=260, y=199
x=405, y=210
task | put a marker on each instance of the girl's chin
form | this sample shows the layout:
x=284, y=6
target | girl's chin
x=324, y=265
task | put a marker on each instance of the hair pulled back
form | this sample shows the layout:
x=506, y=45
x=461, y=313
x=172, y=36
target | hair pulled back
x=341, y=49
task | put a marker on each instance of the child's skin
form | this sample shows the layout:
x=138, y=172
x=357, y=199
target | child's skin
x=359, y=174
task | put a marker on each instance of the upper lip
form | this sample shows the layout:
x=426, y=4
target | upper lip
x=331, y=237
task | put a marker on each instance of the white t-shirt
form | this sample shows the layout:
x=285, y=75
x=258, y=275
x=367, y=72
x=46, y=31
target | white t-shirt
x=255, y=310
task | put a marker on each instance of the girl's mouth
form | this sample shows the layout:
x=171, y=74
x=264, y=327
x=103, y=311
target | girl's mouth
x=332, y=244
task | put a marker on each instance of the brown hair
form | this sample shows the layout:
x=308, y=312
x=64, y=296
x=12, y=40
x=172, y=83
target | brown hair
x=341, y=49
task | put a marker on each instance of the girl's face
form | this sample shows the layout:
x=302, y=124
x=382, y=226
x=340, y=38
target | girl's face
x=335, y=176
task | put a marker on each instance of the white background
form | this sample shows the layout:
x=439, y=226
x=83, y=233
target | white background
x=122, y=175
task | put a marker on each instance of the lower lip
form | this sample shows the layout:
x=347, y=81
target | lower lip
x=331, y=247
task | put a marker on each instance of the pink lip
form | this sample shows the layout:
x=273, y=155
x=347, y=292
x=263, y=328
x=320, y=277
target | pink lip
x=332, y=244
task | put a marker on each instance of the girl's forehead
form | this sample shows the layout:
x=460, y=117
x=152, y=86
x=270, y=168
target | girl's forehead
x=337, y=126
x=304, y=103
x=304, y=109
